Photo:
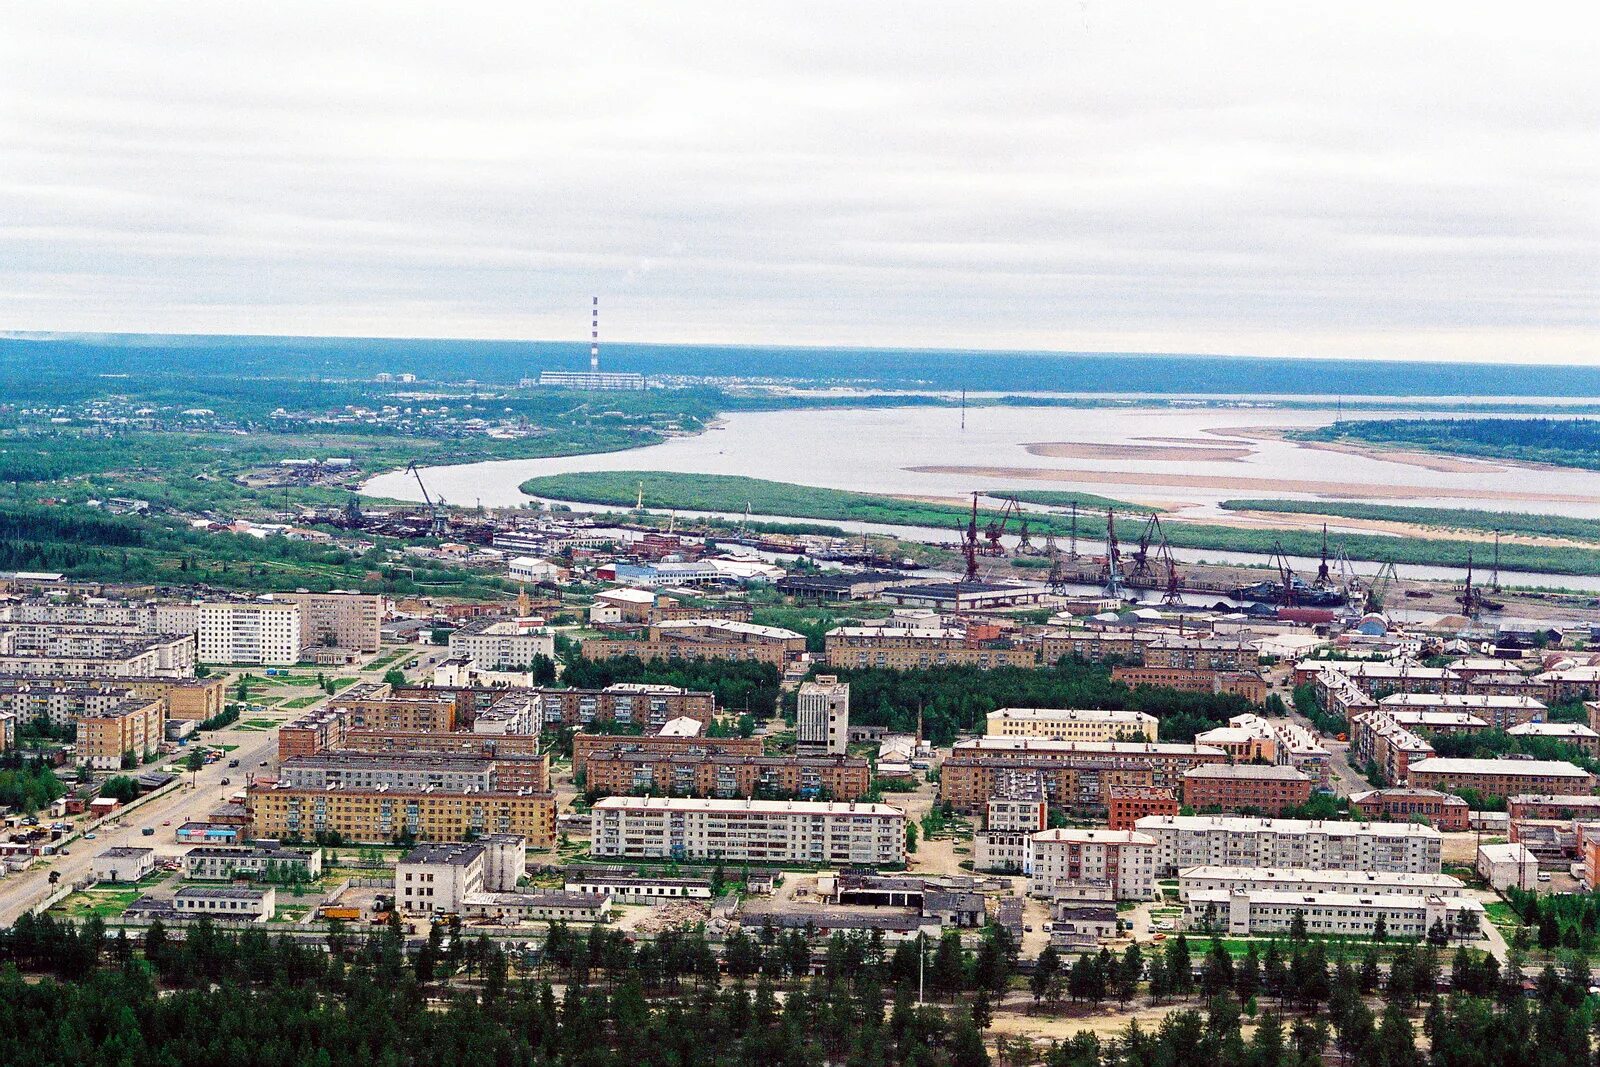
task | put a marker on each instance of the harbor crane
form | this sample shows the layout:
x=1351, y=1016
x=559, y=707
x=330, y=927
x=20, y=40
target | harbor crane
x=1111, y=574
x=969, y=543
x=437, y=526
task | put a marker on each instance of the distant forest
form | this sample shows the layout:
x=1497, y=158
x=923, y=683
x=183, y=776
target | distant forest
x=80, y=358
x=1564, y=442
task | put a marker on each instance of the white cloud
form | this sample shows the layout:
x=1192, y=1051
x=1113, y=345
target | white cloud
x=1351, y=180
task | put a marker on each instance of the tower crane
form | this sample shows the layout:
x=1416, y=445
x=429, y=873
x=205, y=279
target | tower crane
x=969, y=543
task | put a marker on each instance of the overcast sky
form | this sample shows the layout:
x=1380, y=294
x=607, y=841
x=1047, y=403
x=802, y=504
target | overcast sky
x=1388, y=180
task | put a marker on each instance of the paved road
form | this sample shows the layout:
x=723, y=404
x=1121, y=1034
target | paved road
x=20, y=892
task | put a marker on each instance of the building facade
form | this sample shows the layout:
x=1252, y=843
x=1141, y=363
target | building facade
x=853, y=834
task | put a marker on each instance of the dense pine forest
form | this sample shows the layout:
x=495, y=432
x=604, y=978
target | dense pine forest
x=77, y=996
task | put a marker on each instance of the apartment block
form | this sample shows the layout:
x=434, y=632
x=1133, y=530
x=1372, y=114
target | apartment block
x=339, y=619
x=1244, y=841
x=822, y=718
x=1376, y=737
x=1076, y=774
x=704, y=639
x=382, y=815
x=1067, y=861
x=129, y=726
x=1548, y=806
x=253, y=632
x=1265, y=789
x=617, y=771
x=904, y=648
x=1442, y=811
x=1499, y=712
x=506, y=644
x=585, y=746
x=1017, y=810
x=410, y=771
x=1071, y=724
x=1127, y=804
x=1247, y=684
x=650, y=706
x=1201, y=653
x=1502, y=777
x=758, y=831
x=79, y=654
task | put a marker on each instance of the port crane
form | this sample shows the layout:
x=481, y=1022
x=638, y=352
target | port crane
x=1324, y=576
x=1472, y=600
x=437, y=526
x=1380, y=586
x=1111, y=573
x=996, y=527
x=969, y=543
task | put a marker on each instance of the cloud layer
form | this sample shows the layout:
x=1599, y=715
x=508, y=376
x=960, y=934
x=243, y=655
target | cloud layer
x=1355, y=180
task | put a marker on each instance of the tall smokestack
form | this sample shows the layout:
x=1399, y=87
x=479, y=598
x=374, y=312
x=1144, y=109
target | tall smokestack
x=594, y=337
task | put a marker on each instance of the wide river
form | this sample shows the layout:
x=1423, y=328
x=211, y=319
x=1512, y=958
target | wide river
x=1187, y=459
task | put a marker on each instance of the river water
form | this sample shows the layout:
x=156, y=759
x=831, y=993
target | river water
x=1170, y=459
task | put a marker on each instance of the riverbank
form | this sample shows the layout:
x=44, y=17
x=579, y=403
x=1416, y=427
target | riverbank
x=735, y=494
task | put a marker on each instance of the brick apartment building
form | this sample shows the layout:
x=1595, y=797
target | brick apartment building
x=1263, y=788
x=620, y=773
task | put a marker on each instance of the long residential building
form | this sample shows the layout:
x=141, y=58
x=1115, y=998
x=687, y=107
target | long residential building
x=757, y=831
x=1076, y=774
x=1500, y=712
x=1491, y=778
x=615, y=772
x=901, y=648
x=411, y=772
x=77, y=654
x=1216, y=878
x=380, y=815
x=654, y=746
x=265, y=860
x=1243, y=913
x=650, y=706
x=509, y=644
x=1112, y=864
x=1442, y=811
x=1241, y=841
x=1071, y=724
x=704, y=639
x=1238, y=787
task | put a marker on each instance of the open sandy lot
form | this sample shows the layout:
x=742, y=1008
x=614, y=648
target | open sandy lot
x=1155, y=453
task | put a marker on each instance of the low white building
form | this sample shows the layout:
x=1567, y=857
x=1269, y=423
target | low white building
x=1216, y=878
x=123, y=864
x=1509, y=864
x=1244, y=912
x=540, y=906
x=1071, y=724
x=439, y=877
x=1122, y=862
x=249, y=903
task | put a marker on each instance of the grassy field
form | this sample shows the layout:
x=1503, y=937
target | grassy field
x=1055, y=498
x=1439, y=518
x=731, y=493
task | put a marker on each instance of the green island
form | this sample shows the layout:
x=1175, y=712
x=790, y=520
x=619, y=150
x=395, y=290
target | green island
x=1562, y=442
x=729, y=493
x=1509, y=522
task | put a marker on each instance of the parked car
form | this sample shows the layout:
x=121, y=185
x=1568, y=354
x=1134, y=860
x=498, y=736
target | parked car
x=233, y=763
x=88, y=837
x=227, y=781
x=148, y=831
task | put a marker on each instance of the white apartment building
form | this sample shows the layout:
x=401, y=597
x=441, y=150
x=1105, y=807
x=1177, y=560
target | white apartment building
x=822, y=718
x=1123, y=862
x=1218, y=879
x=1184, y=841
x=503, y=643
x=440, y=877
x=1267, y=911
x=761, y=831
x=1071, y=724
x=253, y=632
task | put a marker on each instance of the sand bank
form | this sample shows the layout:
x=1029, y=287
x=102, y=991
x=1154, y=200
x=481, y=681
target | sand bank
x=1153, y=453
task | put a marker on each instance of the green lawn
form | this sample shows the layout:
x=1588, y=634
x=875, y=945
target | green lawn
x=1500, y=913
x=301, y=702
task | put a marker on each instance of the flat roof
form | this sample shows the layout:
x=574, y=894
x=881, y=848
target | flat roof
x=1106, y=837
x=1389, y=901
x=1310, y=874
x=1251, y=824
x=769, y=807
x=1071, y=714
x=1050, y=744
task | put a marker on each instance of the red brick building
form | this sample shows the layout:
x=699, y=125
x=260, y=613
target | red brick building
x=1442, y=811
x=1255, y=787
x=1127, y=804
